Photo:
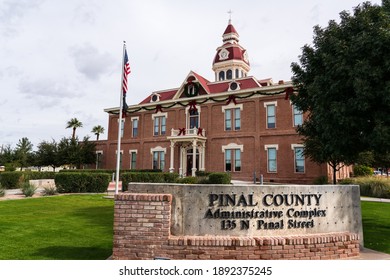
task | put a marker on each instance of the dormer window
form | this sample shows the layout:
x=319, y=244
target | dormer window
x=155, y=98
x=191, y=89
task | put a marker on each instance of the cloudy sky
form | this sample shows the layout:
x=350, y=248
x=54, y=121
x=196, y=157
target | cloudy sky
x=62, y=59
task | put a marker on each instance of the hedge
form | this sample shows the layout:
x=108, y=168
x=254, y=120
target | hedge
x=82, y=182
x=219, y=178
x=149, y=177
x=110, y=171
x=11, y=179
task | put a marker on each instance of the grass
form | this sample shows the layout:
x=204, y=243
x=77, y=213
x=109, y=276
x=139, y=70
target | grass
x=72, y=227
x=376, y=225
x=80, y=227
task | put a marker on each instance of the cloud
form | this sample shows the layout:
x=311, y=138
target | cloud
x=89, y=62
x=11, y=12
x=49, y=92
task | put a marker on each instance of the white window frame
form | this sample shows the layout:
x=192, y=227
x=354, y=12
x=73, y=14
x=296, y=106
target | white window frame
x=233, y=147
x=229, y=107
x=266, y=104
x=267, y=148
x=188, y=116
x=132, y=126
x=160, y=115
x=293, y=148
x=131, y=158
x=159, y=149
x=294, y=114
x=122, y=127
x=98, y=152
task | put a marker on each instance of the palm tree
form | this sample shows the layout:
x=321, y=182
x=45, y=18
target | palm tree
x=74, y=123
x=97, y=130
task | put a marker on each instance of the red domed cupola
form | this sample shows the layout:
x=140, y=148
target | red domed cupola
x=231, y=60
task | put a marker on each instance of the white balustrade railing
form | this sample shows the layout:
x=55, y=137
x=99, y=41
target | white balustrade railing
x=188, y=132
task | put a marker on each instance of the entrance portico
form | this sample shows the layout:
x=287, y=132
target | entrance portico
x=192, y=147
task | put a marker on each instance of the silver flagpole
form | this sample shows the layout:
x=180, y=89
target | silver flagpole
x=118, y=151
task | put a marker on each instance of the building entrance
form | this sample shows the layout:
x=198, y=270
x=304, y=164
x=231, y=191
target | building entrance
x=190, y=161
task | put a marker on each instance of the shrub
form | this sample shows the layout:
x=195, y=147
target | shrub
x=187, y=180
x=371, y=186
x=82, y=182
x=10, y=180
x=374, y=187
x=219, y=178
x=321, y=180
x=346, y=181
x=2, y=191
x=49, y=190
x=147, y=177
x=33, y=175
x=362, y=170
x=28, y=189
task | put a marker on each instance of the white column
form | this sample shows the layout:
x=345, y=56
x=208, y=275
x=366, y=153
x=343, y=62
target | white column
x=193, y=158
x=171, y=168
x=203, y=157
x=181, y=162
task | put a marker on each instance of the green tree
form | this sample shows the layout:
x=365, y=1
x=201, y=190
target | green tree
x=7, y=155
x=47, y=154
x=97, y=130
x=343, y=83
x=74, y=153
x=23, y=152
x=74, y=123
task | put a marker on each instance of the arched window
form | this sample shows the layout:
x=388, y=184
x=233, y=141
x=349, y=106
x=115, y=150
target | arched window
x=229, y=74
x=237, y=73
x=221, y=75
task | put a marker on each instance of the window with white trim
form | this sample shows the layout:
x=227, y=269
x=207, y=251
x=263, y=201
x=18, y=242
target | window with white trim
x=297, y=116
x=299, y=158
x=272, y=151
x=133, y=159
x=232, y=116
x=159, y=124
x=158, y=155
x=193, y=118
x=122, y=127
x=134, y=122
x=222, y=75
x=271, y=114
x=232, y=157
x=99, y=159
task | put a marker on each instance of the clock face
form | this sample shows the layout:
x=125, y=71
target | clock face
x=246, y=56
x=223, y=54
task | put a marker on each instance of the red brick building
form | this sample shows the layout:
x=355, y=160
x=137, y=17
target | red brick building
x=236, y=123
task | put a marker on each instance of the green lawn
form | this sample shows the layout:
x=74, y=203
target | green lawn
x=71, y=227
x=376, y=225
x=80, y=227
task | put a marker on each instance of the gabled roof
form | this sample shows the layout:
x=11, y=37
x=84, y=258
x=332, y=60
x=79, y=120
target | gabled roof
x=209, y=87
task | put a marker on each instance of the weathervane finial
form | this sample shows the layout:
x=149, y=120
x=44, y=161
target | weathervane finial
x=230, y=16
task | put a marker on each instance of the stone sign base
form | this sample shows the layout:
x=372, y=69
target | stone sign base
x=142, y=230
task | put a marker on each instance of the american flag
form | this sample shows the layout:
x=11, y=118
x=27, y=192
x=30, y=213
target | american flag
x=126, y=72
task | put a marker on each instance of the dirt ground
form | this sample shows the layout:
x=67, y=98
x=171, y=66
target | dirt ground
x=17, y=194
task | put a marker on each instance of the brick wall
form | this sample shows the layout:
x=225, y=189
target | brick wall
x=142, y=231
